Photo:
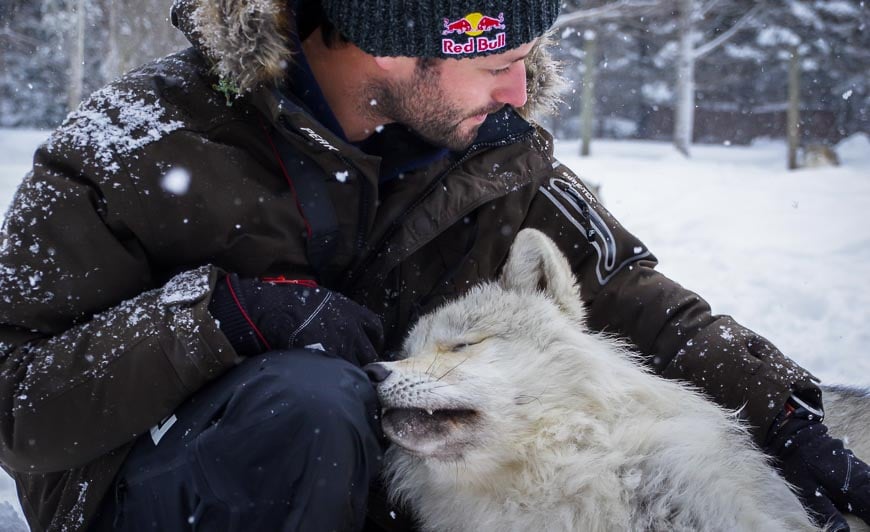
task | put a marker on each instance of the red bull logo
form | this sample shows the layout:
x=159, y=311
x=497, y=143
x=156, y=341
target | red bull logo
x=474, y=25
x=459, y=26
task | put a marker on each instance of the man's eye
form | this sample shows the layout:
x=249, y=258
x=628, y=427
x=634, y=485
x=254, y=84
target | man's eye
x=499, y=71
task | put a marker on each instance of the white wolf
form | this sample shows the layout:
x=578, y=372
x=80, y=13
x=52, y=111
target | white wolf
x=509, y=415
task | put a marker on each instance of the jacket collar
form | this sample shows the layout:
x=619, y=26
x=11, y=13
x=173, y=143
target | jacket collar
x=303, y=85
x=400, y=149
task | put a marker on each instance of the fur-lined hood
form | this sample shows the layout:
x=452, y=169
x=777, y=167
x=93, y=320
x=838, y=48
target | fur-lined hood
x=249, y=43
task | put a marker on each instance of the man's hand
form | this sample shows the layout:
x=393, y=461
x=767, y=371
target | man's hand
x=829, y=479
x=258, y=316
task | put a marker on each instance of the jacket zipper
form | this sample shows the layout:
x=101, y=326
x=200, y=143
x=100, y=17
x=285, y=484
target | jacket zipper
x=356, y=272
x=280, y=279
x=364, y=205
x=365, y=196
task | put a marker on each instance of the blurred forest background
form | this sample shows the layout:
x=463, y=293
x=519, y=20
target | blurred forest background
x=687, y=71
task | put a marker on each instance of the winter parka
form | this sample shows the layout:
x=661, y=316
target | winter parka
x=161, y=181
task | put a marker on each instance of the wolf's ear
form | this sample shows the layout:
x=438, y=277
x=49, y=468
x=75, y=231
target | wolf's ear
x=536, y=264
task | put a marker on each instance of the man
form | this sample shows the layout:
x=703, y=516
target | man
x=204, y=253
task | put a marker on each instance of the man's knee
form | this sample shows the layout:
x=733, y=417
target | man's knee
x=287, y=440
x=299, y=425
x=304, y=388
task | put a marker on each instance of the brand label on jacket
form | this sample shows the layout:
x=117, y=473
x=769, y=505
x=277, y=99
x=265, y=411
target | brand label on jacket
x=159, y=430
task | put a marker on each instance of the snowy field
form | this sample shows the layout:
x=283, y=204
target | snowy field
x=786, y=253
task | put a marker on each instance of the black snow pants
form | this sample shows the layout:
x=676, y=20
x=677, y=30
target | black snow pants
x=284, y=441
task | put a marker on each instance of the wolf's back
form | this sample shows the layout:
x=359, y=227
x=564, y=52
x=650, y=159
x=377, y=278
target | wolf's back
x=847, y=415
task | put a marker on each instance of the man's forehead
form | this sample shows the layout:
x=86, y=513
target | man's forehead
x=519, y=52
x=503, y=58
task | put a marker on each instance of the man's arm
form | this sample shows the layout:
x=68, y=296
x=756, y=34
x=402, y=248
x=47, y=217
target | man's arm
x=90, y=356
x=72, y=397
x=673, y=327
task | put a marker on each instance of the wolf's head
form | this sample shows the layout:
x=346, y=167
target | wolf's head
x=486, y=367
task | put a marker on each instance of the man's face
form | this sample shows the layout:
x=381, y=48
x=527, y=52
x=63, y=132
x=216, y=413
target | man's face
x=446, y=101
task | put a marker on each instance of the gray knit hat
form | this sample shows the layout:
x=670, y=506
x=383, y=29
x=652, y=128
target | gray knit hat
x=440, y=28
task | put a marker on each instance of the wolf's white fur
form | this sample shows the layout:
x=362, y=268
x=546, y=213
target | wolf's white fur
x=509, y=415
x=848, y=418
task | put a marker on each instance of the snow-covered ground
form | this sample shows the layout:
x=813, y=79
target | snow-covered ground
x=785, y=253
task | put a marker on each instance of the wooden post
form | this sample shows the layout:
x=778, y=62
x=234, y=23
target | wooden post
x=77, y=60
x=793, y=114
x=590, y=75
x=684, y=110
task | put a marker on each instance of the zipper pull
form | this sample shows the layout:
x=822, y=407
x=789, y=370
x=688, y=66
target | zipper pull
x=310, y=283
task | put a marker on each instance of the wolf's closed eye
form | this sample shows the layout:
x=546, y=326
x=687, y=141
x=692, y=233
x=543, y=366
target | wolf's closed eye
x=460, y=346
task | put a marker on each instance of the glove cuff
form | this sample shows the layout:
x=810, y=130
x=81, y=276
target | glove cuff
x=228, y=307
x=795, y=415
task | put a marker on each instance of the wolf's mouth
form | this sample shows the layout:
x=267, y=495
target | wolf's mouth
x=425, y=431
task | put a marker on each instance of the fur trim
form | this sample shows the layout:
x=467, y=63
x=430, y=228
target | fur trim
x=544, y=81
x=248, y=41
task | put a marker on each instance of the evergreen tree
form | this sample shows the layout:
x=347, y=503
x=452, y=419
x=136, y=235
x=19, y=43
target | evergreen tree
x=51, y=58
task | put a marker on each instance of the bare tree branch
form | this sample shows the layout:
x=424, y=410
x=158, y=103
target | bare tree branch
x=614, y=10
x=702, y=11
x=15, y=36
x=705, y=49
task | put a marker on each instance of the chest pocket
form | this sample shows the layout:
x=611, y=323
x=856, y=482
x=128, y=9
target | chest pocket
x=440, y=271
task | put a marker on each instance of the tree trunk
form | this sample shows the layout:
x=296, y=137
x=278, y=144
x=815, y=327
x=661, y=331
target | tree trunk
x=684, y=112
x=587, y=107
x=112, y=64
x=793, y=115
x=77, y=59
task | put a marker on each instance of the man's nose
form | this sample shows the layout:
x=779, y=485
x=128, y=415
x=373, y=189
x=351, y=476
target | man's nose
x=513, y=89
x=377, y=372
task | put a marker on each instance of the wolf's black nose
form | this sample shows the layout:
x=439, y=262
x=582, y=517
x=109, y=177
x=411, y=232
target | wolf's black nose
x=376, y=372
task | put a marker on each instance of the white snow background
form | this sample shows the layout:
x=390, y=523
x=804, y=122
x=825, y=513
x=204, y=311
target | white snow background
x=786, y=253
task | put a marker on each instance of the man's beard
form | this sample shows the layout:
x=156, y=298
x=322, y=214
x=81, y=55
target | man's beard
x=419, y=105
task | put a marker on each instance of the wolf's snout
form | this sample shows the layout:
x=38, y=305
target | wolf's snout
x=377, y=372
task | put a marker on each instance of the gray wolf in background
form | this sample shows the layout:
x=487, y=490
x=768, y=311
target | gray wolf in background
x=508, y=415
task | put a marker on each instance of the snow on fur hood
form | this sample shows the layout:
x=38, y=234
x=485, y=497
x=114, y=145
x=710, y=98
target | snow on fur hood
x=248, y=43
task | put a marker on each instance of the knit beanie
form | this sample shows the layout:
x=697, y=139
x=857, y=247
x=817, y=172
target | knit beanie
x=440, y=28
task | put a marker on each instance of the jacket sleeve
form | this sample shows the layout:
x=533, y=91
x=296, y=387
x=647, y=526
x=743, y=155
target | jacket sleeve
x=94, y=349
x=671, y=326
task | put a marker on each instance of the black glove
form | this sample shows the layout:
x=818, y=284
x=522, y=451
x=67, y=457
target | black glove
x=826, y=475
x=258, y=316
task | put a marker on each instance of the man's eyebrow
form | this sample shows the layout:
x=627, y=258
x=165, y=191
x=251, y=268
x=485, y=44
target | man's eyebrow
x=510, y=61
